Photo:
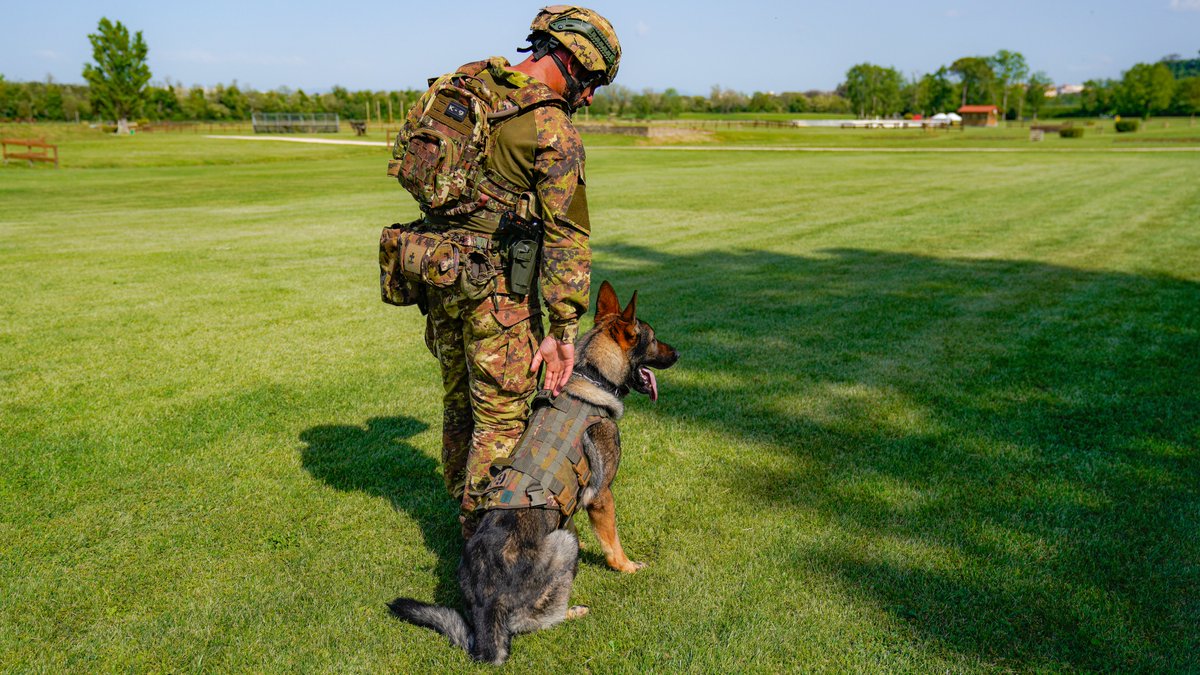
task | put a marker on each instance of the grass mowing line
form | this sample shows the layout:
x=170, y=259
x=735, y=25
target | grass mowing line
x=778, y=148
x=322, y=141
x=747, y=148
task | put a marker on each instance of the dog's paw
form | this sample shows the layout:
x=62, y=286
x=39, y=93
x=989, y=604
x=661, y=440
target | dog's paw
x=577, y=611
x=629, y=567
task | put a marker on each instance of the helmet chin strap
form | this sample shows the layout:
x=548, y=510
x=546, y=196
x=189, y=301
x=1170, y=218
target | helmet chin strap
x=574, y=93
x=549, y=46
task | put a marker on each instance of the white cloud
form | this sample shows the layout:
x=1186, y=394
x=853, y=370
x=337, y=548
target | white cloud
x=954, y=13
x=1185, y=5
x=48, y=55
x=643, y=29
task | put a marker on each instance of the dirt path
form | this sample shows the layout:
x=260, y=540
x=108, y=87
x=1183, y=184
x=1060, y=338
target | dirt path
x=740, y=148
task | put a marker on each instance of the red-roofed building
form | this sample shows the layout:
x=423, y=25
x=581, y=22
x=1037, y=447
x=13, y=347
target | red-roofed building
x=979, y=115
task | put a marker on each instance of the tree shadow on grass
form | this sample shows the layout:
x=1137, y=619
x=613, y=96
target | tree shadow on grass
x=1007, y=449
x=377, y=460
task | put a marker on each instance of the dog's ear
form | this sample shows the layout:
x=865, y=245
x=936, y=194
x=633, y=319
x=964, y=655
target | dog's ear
x=630, y=313
x=607, y=303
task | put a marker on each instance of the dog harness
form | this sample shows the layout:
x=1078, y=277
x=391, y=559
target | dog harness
x=548, y=468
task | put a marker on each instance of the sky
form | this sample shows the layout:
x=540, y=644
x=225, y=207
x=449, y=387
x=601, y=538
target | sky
x=745, y=45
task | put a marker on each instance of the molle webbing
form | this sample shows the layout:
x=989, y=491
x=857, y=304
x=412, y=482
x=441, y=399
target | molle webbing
x=493, y=195
x=548, y=468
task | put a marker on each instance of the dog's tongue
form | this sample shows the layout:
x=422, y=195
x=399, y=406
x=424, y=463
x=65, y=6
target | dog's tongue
x=649, y=377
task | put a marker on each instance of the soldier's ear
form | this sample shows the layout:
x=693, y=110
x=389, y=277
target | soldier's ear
x=606, y=302
x=630, y=313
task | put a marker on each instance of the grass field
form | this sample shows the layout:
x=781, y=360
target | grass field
x=919, y=423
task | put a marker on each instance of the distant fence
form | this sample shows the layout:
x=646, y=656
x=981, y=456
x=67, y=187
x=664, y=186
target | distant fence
x=784, y=124
x=727, y=124
x=874, y=123
x=291, y=123
x=656, y=130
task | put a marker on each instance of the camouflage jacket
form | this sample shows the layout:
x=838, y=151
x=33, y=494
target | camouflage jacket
x=549, y=467
x=540, y=150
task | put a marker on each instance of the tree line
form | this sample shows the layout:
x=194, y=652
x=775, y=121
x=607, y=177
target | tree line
x=618, y=101
x=1169, y=87
x=52, y=101
x=119, y=88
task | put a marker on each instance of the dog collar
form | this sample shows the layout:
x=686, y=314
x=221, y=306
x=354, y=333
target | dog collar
x=606, y=386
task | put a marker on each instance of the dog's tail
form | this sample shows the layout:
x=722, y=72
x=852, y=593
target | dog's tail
x=444, y=620
x=491, y=638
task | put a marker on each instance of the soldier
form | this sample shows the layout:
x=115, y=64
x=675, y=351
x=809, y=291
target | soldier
x=487, y=332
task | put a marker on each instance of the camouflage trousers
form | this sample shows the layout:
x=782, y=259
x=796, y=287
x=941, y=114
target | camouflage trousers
x=485, y=348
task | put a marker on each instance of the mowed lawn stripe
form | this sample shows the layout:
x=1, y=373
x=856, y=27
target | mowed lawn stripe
x=933, y=413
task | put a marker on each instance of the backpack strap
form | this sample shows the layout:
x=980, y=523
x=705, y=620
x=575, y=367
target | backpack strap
x=537, y=95
x=503, y=195
x=473, y=68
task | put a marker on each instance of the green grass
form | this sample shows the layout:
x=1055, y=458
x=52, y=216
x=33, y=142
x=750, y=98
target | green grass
x=918, y=424
x=1098, y=135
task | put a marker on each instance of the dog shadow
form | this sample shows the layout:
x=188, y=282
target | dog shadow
x=377, y=459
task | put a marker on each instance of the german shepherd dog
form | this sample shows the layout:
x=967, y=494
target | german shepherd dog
x=517, y=568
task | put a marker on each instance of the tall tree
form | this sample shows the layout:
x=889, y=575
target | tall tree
x=1181, y=67
x=235, y=101
x=119, y=77
x=1187, y=95
x=873, y=90
x=937, y=92
x=976, y=77
x=1146, y=89
x=1010, y=69
x=672, y=103
x=1097, y=97
x=52, y=100
x=1035, y=91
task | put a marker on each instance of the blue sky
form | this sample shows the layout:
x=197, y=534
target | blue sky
x=748, y=45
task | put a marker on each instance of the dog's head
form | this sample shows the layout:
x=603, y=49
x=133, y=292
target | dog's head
x=623, y=348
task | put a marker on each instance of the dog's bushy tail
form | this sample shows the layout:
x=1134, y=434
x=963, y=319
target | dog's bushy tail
x=444, y=620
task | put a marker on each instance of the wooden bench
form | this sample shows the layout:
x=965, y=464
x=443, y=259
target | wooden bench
x=42, y=155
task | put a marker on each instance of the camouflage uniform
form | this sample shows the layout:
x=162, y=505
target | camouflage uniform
x=485, y=346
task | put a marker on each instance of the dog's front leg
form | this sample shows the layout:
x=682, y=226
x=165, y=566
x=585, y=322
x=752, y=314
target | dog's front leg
x=602, y=512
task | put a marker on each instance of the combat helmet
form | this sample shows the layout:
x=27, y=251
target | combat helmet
x=588, y=36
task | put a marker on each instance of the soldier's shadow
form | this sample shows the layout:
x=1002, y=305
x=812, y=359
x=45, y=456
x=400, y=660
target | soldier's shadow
x=377, y=459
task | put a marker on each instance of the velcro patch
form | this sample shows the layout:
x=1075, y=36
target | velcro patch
x=456, y=110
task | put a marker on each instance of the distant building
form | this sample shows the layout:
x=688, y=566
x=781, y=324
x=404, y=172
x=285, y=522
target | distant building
x=979, y=115
x=1054, y=91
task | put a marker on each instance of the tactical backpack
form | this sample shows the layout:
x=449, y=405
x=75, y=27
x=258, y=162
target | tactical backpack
x=440, y=154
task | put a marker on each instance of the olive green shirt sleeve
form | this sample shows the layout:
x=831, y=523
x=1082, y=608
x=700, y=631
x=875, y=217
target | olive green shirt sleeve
x=566, y=265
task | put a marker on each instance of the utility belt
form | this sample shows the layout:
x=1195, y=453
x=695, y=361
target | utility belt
x=419, y=254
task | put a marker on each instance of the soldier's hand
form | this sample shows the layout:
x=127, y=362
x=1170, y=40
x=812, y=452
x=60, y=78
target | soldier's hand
x=559, y=358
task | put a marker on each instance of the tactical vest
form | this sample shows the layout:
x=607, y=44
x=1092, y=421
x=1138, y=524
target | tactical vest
x=441, y=152
x=548, y=469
